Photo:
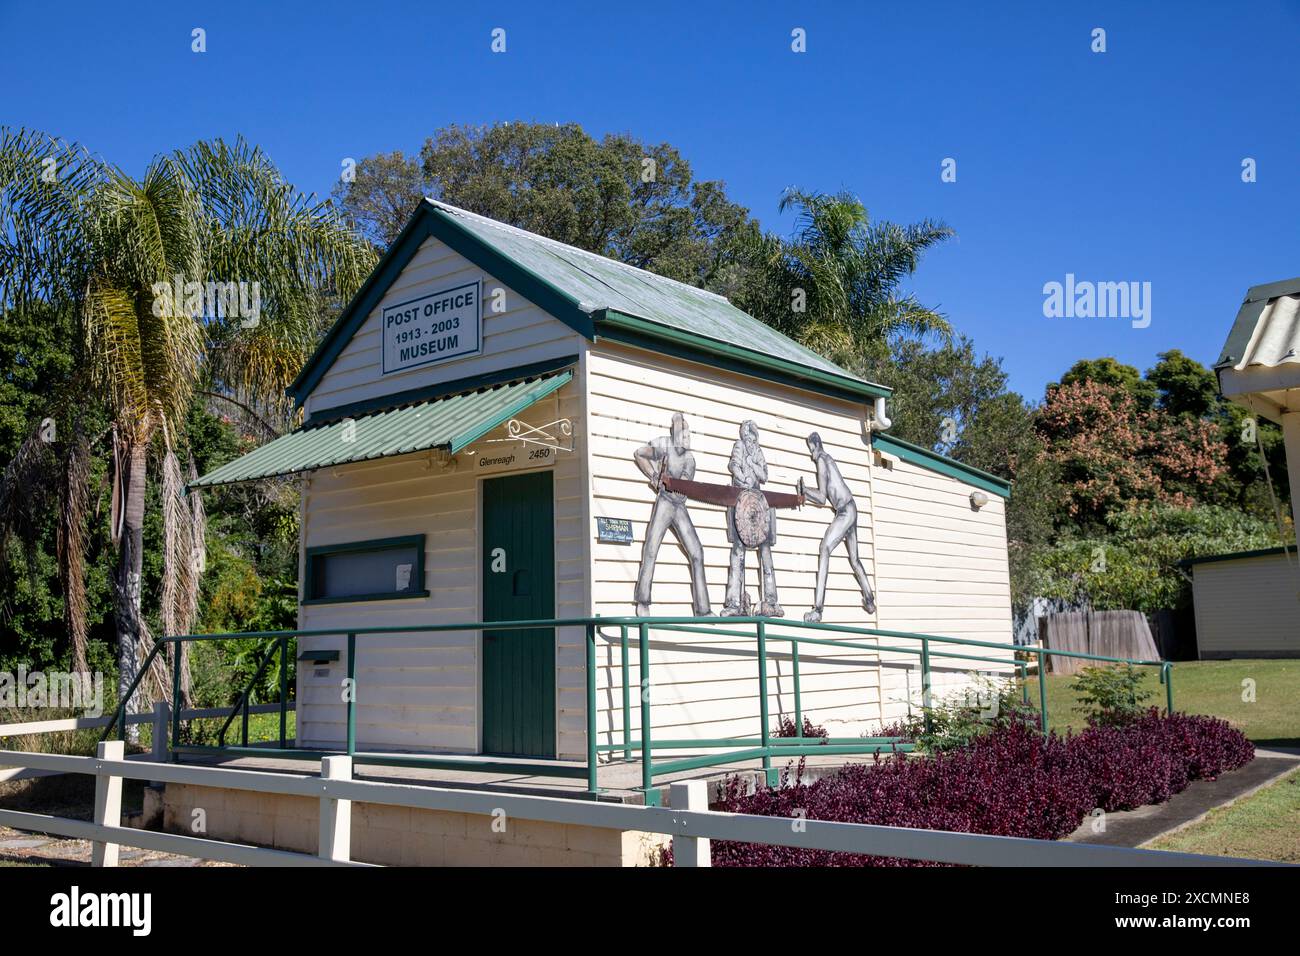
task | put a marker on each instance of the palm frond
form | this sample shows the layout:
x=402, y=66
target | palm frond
x=44, y=186
x=301, y=252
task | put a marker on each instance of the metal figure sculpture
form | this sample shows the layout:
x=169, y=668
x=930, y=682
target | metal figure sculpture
x=750, y=524
x=833, y=490
x=662, y=460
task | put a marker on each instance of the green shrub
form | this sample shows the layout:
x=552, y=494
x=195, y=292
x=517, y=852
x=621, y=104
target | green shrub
x=957, y=719
x=1110, y=696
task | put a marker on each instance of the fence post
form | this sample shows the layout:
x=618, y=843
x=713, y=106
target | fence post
x=928, y=719
x=335, y=815
x=647, y=751
x=161, y=717
x=108, y=801
x=352, y=694
x=284, y=689
x=1042, y=690
x=690, y=795
x=798, y=694
x=627, y=697
x=592, y=759
x=765, y=732
x=176, y=695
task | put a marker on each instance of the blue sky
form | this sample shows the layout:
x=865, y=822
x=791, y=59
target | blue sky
x=1115, y=166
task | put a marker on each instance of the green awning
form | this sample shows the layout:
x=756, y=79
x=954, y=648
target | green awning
x=450, y=423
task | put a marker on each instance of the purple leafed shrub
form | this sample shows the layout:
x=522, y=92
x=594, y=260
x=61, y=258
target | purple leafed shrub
x=1207, y=745
x=1011, y=782
x=786, y=728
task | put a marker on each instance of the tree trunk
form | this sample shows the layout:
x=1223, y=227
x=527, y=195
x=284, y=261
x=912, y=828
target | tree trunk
x=130, y=564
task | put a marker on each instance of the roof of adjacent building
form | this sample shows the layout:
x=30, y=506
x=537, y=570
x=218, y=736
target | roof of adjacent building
x=1238, y=555
x=1266, y=331
x=941, y=464
x=596, y=296
x=1259, y=367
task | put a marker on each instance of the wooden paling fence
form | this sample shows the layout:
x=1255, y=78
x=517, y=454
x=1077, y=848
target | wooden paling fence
x=1106, y=633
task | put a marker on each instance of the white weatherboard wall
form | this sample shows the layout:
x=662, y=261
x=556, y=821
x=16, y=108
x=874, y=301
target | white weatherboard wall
x=943, y=570
x=520, y=335
x=421, y=690
x=936, y=565
x=711, y=688
x=1247, y=607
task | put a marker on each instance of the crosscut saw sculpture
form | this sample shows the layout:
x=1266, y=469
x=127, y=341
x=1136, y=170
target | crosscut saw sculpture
x=752, y=506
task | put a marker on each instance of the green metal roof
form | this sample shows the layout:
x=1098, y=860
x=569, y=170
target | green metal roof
x=451, y=422
x=941, y=464
x=599, y=283
x=584, y=290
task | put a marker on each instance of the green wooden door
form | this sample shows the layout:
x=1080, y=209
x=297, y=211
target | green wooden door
x=519, y=585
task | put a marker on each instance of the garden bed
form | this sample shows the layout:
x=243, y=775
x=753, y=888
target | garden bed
x=1010, y=781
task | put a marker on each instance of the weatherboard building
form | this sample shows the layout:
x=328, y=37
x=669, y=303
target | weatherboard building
x=501, y=427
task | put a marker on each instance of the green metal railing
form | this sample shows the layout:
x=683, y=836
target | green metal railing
x=716, y=751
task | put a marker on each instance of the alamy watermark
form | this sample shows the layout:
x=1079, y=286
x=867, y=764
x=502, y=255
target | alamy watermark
x=1073, y=299
x=223, y=300
x=78, y=690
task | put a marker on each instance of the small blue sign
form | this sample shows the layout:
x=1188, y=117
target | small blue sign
x=614, y=530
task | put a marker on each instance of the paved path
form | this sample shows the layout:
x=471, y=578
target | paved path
x=1136, y=827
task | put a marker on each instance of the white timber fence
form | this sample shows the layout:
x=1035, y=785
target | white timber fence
x=688, y=819
x=160, y=719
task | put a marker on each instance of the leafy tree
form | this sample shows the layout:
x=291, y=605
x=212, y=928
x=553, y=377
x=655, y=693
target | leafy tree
x=949, y=399
x=382, y=195
x=1184, y=386
x=1182, y=391
x=834, y=286
x=212, y=213
x=1189, y=389
x=1126, y=379
x=1132, y=562
x=619, y=196
x=1112, y=452
x=938, y=391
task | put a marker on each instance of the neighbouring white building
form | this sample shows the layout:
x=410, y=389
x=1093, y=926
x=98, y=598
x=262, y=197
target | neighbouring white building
x=1248, y=605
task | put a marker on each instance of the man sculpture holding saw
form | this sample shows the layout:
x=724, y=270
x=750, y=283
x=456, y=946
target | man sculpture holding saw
x=662, y=460
x=833, y=490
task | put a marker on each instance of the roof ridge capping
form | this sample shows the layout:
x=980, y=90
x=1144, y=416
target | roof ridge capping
x=1273, y=290
x=547, y=240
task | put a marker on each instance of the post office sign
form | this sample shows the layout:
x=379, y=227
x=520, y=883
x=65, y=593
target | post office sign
x=433, y=328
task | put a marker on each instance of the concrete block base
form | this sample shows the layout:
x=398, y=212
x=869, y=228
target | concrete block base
x=400, y=836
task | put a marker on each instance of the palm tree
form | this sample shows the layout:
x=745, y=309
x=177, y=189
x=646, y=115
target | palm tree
x=148, y=286
x=833, y=286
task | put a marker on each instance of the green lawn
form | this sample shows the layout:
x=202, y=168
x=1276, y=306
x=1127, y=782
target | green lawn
x=262, y=728
x=1208, y=687
x=1263, y=826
